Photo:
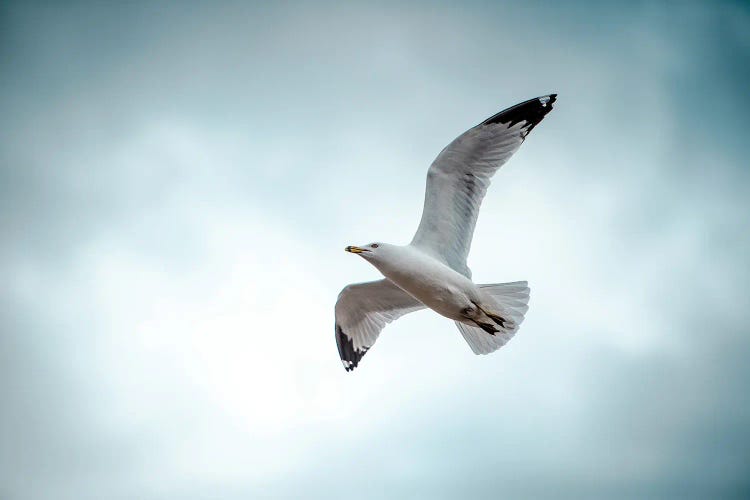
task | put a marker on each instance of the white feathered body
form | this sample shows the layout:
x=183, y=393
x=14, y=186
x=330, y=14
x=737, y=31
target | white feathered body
x=428, y=280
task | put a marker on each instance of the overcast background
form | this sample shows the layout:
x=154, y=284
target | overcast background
x=177, y=184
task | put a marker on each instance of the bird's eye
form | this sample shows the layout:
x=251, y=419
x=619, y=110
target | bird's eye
x=374, y=245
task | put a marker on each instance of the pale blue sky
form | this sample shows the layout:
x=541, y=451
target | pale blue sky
x=177, y=184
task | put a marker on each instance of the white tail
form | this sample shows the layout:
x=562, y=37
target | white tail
x=513, y=298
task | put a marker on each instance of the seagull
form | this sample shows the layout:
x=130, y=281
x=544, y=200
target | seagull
x=431, y=271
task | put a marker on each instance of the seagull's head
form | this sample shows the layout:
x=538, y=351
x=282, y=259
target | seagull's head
x=371, y=251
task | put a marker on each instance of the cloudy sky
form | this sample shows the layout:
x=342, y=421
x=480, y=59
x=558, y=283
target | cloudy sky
x=177, y=184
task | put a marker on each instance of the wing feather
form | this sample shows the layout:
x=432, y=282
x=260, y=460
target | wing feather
x=459, y=177
x=362, y=311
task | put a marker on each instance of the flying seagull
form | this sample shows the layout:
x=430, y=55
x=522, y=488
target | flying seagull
x=431, y=271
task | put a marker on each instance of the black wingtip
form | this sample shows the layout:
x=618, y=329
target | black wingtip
x=350, y=356
x=531, y=111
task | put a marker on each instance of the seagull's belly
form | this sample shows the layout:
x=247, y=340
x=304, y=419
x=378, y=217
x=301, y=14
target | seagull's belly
x=435, y=285
x=443, y=298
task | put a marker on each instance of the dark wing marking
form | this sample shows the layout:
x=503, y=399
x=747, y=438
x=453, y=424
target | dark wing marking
x=362, y=311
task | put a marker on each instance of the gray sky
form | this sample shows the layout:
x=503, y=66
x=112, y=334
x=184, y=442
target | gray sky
x=177, y=183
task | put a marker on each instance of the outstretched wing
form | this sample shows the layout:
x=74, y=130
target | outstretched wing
x=362, y=310
x=459, y=177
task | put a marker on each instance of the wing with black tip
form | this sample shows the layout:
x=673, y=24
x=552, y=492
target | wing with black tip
x=362, y=311
x=459, y=177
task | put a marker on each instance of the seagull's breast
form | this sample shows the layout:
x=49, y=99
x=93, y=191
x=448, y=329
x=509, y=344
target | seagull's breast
x=430, y=281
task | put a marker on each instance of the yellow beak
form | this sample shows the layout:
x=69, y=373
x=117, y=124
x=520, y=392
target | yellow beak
x=353, y=249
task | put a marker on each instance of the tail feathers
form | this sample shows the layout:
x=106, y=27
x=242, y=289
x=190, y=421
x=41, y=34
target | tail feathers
x=513, y=299
x=482, y=342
